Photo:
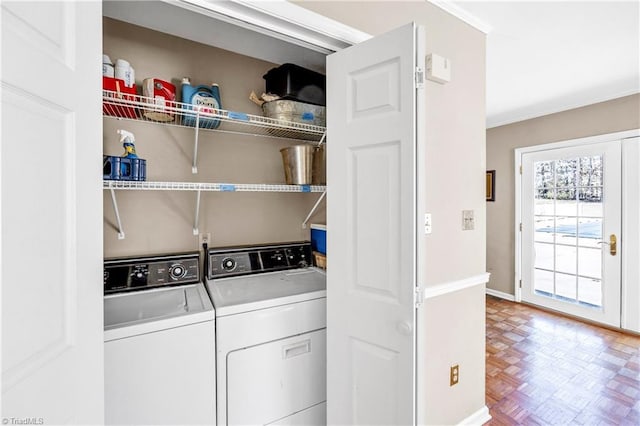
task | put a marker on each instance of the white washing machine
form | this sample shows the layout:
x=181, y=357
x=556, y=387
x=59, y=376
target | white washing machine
x=270, y=335
x=159, y=335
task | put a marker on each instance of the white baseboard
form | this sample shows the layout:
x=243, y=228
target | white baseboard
x=450, y=287
x=501, y=295
x=478, y=418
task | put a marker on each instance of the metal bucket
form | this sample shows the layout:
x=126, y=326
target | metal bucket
x=319, y=174
x=298, y=164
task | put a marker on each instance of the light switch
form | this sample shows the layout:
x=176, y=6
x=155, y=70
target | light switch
x=468, y=221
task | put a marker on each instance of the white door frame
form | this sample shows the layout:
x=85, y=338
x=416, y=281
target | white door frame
x=519, y=152
x=283, y=20
x=631, y=234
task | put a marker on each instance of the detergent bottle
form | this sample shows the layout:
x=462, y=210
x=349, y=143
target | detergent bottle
x=204, y=99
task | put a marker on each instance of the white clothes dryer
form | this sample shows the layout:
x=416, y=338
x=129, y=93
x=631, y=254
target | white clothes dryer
x=270, y=335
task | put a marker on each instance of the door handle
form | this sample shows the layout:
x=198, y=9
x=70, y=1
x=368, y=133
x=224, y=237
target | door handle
x=404, y=328
x=296, y=349
x=612, y=243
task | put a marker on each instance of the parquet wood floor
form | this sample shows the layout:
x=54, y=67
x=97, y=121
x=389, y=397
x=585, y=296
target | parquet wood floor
x=544, y=369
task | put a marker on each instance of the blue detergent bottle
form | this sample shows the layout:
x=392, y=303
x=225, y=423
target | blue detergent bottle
x=205, y=98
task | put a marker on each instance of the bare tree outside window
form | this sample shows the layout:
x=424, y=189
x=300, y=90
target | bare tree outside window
x=570, y=179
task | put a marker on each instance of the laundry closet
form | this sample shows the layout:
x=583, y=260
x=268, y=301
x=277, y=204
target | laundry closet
x=214, y=186
x=254, y=231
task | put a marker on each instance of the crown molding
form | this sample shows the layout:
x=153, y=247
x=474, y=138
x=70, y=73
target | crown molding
x=455, y=10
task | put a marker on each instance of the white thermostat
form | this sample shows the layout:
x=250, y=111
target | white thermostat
x=438, y=68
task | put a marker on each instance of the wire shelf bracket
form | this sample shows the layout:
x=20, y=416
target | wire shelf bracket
x=196, y=219
x=117, y=213
x=313, y=210
x=194, y=166
x=323, y=139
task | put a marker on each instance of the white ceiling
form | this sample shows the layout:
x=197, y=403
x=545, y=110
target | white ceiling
x=542, y=56
x=549, y=56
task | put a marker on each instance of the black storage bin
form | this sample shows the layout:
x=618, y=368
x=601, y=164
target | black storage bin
x=296, y=83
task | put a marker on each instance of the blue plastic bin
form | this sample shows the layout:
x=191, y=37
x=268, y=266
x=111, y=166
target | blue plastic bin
x=123, y=168
x=319, y=238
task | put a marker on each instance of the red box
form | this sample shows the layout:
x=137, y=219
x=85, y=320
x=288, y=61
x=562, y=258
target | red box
x=119, y=103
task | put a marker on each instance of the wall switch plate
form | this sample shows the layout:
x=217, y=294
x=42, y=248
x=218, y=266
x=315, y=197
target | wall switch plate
x=427, y=223
x=454, y=375
x=468, y=221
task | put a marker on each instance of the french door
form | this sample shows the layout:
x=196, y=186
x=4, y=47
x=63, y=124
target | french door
x=571, y=226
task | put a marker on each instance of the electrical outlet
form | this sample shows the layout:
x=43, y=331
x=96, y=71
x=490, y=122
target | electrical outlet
x=468, y=221
x=204, y=238
x=454, y=375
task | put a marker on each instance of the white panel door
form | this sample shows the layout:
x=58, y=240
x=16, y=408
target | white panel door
x=371, y=210
x=52, y=350
x=571, y=215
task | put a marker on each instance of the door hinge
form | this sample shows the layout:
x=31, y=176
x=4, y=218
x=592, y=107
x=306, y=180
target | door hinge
x=419, y=77
x=418, y=295
x=520, y=283
x=520, y=168
x=520, y=226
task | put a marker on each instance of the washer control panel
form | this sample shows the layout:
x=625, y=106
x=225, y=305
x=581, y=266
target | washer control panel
x=232, y=261
x=148, y=272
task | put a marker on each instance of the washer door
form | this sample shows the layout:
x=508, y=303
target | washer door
x=161, y=378
x=271, y=381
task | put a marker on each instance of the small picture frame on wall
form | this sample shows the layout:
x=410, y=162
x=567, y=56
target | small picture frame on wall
x=491, y=185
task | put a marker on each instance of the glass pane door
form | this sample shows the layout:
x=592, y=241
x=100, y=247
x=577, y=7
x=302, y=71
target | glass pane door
x=568, y=229
x=570, y=207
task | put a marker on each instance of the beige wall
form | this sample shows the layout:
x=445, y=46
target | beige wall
x=463, y=312
x=162, y=221
x=452, y=324
x=601, y=118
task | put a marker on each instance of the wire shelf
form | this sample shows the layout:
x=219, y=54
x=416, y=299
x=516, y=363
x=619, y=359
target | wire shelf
x=214, y=187
x=139, y=108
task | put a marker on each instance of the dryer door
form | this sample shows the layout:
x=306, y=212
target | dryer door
x=271, y=381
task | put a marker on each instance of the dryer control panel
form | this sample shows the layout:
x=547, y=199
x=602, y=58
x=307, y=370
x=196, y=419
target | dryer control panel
x=233, y=261
x=148, y=272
